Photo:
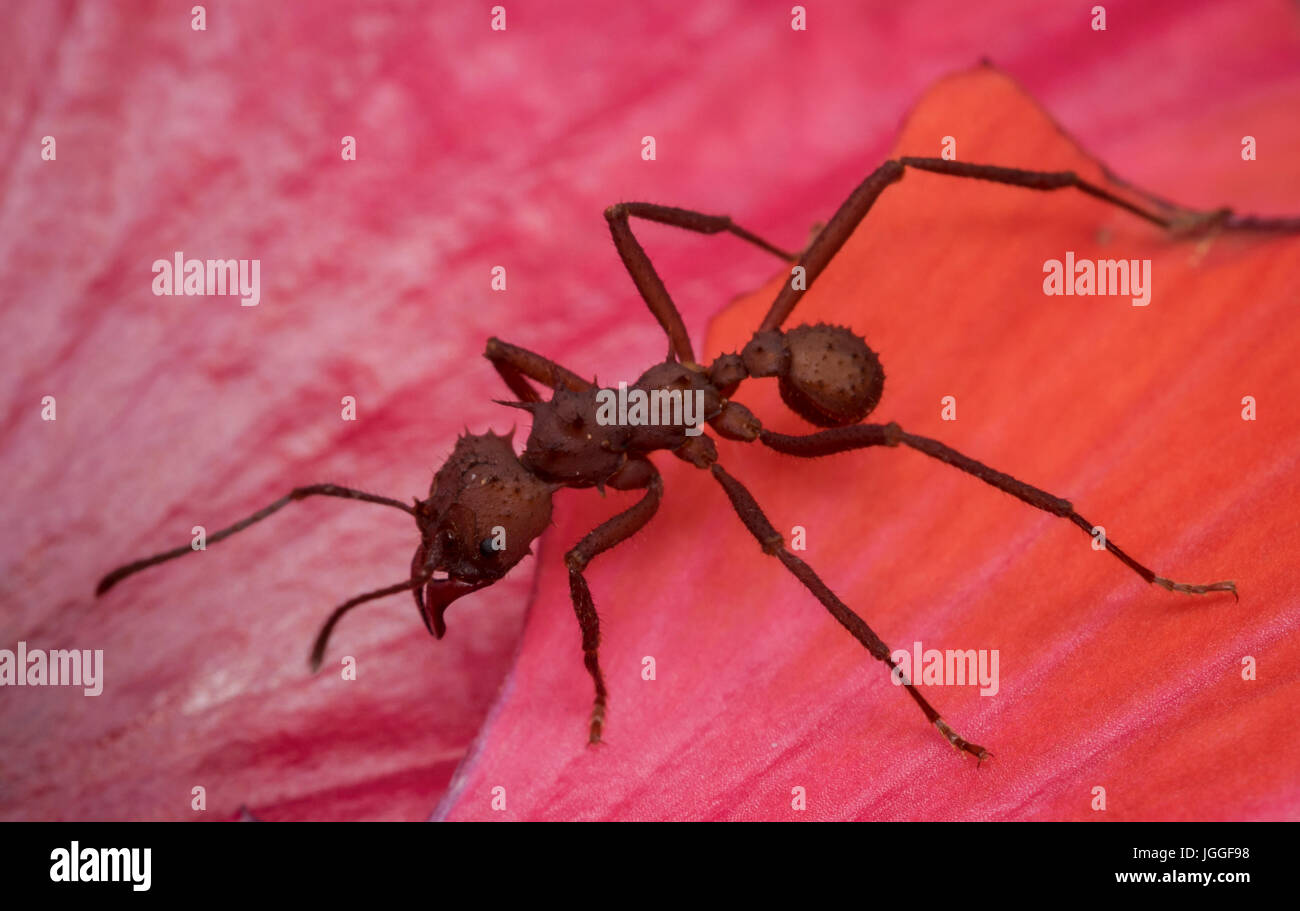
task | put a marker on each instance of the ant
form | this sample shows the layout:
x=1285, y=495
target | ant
x=486, y=504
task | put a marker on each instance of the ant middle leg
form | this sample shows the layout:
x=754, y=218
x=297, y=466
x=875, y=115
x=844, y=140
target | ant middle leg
x=859, y=436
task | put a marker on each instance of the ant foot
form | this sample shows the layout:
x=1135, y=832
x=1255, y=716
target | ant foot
x=1185, y=223
x=1226, y=586
x=961, y=744
x=597, y=725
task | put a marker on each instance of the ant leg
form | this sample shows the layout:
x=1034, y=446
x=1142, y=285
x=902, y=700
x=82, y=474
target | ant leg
x=298, y=493
x=842, y=439
x=602, y=538
x=854, y=209
x=1171, y=216
x=773, y=544
x=1223, y=217
x=829, y=240
x=691, y=221
x=643, y=272
x=515, y=363
x=1050, y=180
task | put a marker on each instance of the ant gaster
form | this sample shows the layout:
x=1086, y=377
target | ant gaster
x=826, y=374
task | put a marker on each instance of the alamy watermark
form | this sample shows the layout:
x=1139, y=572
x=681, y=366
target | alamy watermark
x=1086, y=277
x=656, y=407
x=950, y=667
x=201, y=277
x=76, y=864
x=59, y=667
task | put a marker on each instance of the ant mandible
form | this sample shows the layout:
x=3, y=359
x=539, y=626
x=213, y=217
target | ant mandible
x=826, y=374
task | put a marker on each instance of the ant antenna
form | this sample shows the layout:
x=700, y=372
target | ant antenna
x=323, y=637
x=298, y=493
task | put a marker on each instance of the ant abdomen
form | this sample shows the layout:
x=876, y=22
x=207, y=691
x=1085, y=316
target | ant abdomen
x=827, y=374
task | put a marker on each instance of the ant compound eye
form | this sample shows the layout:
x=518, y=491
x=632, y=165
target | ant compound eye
x=486, y=549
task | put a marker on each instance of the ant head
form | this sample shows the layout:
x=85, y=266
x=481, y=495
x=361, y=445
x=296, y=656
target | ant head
x=483, y=511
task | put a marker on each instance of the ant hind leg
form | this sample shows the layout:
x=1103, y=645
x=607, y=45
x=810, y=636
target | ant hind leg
x=774, y=545
x=860, y=436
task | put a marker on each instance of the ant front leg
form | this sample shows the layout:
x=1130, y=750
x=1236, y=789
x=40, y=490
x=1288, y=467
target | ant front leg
x=860, y=436
x=774, y=544
x=1191, y=220
x=643, y=272
x=517, y=365
x=853, y=210
x=602, y=538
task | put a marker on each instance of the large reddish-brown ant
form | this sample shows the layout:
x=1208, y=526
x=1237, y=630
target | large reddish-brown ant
x=486, y=505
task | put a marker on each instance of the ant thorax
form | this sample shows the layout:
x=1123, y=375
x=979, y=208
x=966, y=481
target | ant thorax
x=583, y=439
